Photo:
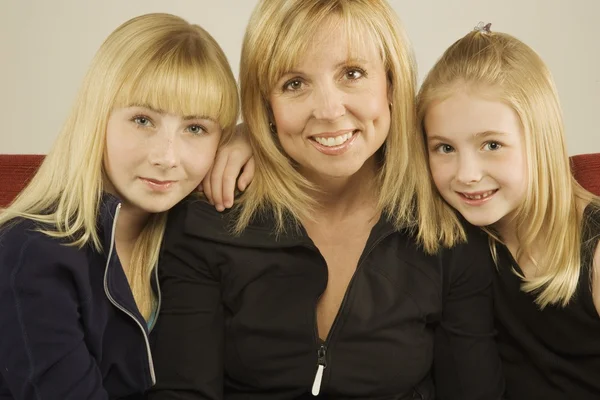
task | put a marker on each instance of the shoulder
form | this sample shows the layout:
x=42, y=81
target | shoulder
x=195, y=219
x=24, y=250
x=471, y=259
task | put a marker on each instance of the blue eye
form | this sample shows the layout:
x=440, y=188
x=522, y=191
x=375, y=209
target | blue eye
x=142, y=120
x=444, y=148
x=492, y=146
x=197, y=129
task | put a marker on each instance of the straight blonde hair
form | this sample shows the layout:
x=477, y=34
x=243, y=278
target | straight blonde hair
x=549, y=217
x=277, y=36
x=156, y=60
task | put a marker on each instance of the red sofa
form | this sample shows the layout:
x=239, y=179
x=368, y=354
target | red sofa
x=15, y=172
x=17, y=169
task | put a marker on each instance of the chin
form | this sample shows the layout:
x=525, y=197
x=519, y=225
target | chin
x=155, y=206
x=480, y=221
x=338, y=171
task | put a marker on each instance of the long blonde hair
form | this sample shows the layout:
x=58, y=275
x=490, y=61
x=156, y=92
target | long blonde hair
x=158, y=60
x=549, y=216
x=277, y=36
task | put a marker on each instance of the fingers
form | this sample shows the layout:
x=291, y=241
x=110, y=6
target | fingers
x=206, y=188
x=216, y=179
x=232, y=170
x=247, y=175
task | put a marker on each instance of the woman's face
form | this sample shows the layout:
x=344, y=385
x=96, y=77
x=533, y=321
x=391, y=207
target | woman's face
x=154, y=159
x=331, y=112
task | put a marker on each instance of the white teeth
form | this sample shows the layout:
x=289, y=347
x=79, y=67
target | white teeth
x=333, y=141
x=479, y=196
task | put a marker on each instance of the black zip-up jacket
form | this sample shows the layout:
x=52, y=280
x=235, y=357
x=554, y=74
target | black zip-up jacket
x=238, y=317
x=69, y=326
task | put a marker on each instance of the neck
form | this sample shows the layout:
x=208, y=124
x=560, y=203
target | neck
x=341, y=197
x=130, y=224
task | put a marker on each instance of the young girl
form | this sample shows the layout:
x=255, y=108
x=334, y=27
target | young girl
x=497, y=154
x=78, y=247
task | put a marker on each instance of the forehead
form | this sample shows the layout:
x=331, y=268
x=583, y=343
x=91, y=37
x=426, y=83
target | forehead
x=342, y=38
x=334, y=41
x=464, y=114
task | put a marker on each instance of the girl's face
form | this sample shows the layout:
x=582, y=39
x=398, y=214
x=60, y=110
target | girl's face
x=477, y=157
x=331, y=112
x=154, y=159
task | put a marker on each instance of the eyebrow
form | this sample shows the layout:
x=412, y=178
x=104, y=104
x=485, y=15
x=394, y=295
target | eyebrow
x=352, y=61
x=185, y=118
x=338, y=65
x=477, y=135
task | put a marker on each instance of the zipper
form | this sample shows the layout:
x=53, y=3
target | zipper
x=159, y=301
x=417, y=393
x=322, y=351
x=120, y=307
x=321, y=365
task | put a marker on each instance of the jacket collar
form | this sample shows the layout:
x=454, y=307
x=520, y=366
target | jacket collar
x=202, y=220
x=107, y=212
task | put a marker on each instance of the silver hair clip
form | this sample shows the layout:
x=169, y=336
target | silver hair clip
x=482, y=27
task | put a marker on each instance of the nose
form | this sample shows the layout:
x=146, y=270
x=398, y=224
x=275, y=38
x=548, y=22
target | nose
x=469, y=169
x=163, y=150
x=328, y=103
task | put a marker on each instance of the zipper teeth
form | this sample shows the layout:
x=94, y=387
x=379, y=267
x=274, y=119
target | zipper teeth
x=112, y=300
x=344, y=300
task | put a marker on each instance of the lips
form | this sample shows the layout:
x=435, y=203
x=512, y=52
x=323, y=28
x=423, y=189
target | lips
x=157, y=184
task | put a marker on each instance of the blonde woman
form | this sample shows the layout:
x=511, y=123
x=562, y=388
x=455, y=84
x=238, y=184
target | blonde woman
x=336, y=281
x=497, y=153
x=78, y=247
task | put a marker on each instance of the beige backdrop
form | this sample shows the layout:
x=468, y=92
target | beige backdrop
x=46, y=45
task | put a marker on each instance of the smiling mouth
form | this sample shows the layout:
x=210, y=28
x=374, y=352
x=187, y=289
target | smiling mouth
x=158, y=184
x=479, y=195
x=333, y=141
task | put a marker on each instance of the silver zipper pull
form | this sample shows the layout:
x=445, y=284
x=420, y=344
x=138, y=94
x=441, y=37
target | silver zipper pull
x=321, y=365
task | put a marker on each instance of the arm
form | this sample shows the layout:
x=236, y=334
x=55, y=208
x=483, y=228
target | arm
x=467, y=365
x=43, y=354
x=189, y=335
x=234, y=161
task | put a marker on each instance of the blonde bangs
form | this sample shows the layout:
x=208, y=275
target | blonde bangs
x=181, y=83
x=298, y=35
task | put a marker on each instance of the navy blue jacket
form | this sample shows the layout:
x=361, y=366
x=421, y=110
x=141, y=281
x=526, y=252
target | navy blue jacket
x=69, y=326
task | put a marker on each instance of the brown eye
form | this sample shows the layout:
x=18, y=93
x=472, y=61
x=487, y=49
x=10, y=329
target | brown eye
x=354, y=74
x=293, y=85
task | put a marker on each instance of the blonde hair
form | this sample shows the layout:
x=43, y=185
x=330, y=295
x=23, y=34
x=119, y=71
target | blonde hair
x=156, y=60
x=277, y=36
x=548, y=216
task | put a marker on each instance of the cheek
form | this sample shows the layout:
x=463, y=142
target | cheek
x=371, y=105
x=289, y=117
x=440, y=172
x=124, y=146
x=199, y=157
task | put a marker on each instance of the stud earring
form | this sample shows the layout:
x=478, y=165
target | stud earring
x=272, y=127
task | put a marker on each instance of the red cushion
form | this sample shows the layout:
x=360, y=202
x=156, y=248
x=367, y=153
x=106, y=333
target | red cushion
x=586, y=169
x=15, y=172
x=17, y=169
